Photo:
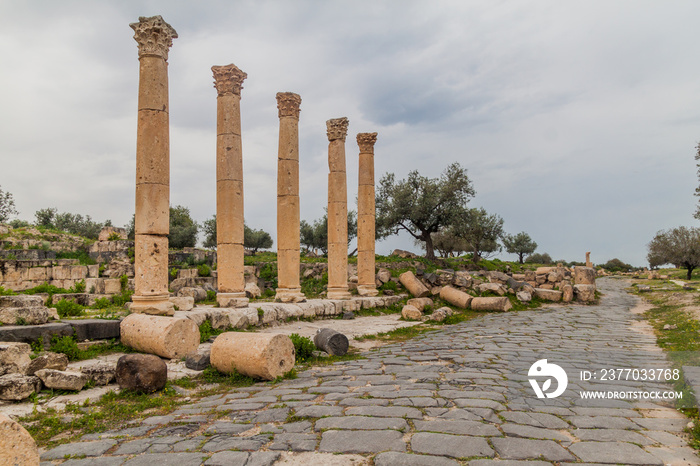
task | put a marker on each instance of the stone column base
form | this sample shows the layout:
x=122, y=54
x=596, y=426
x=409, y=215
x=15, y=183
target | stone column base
x=289, y=295
x=156, y=305
x=232, y=299
x=339, y=293
x=367, y=290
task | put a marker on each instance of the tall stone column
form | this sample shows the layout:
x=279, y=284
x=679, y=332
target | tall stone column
x=337, y=129
x=366, y=284
x=228, y=82
x=154, y=37
x=288, y=243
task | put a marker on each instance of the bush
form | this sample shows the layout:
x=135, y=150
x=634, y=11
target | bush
x=205, y=331
x=203, y=270
x=68, y=308
x=79, y=287
x=8, y=292
x=303, y=347
x=538, y=258
x=65, y=345
x=101, y=303
x=211, y=295
x=114, y=236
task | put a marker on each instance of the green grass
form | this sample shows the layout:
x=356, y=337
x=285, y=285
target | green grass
x=68, y=346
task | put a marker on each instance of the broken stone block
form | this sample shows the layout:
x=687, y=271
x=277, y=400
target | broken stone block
x=456, y=297
x=141, y=372
x=441, y=314
x=384, y=275
x=17, y=387
x=252, y=290
x=14, y=357
x=198, y=360
x=494, y=287
x=411, y=313
x=413, y=285
x=584, y=293
x=491, y=304
x=23, y=309
x=183, y=303
x=62, y=380
x=17, y=447
x=332, y=342
x=548, y=295
x=420, y=303
x=48, y=360
x=259, y=355
x=584, y=275
x=197, y=293
x=165, y=336
x=567, y=293
x=100, y=373
x=524, y=296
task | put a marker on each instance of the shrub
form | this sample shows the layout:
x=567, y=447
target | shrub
x=203, y=270
x=124, y=282
x=303, y=347
x=101, y=303
x=79, y=287
x=211, y=295
x=8, y=292
x=114, y=237
x=68, y=308
x=205, y=331
x=65, y=345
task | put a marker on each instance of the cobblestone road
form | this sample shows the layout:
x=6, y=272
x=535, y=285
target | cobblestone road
x=460, y=395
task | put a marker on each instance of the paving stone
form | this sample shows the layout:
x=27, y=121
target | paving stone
x=669, y=425
x=96, y=461
x=227, y=458
x=621, y=412
x=509, y=463
x=612, y=435
x=167, y=459
x=388, y=411
x=271, y=415
x=517, y=430
x=478, y=403
x=547, y=421
x=361, y=441
x=675, y=455
x=361, y=423
x=665, y=438
x=294, y=442
x=602, y=422
x=319, y=411
x=223, y=427
x=190, y=444
x=224, y=442
x=473, y=428
x=134, y=447
x=79, y=449
x=363, y=402
x=456, y=446
x=521, y=449
x=613, y=452
x=180, y=430
x=393, y=458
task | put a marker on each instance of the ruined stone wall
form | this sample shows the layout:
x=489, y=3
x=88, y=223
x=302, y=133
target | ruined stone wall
x=19, y=275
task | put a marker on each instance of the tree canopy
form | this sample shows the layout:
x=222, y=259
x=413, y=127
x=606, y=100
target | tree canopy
x=538, y=258
x=71, y=223
x=422, y=206
x=520, y=244
x=183, y=230
x=7, y=206
x=252, y=239
x=481, y=231
x=678, y=246
x=314, y=236
x=446, y=243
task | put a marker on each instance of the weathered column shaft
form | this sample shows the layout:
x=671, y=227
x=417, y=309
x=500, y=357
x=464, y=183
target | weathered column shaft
x=288, y=220
x=366, y=284
x=154, y=37
x=337, y=210
x=228, y=81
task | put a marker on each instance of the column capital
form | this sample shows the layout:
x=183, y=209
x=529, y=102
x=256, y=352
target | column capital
x=228, y=79
x=337, y=128
x=154, y=36
x=366, y=142
x=288, y=104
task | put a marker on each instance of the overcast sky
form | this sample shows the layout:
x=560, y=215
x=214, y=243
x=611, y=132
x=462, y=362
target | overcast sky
x=577, y=120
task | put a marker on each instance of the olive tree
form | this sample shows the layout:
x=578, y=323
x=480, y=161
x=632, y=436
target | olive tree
x=520, y=244
x=7, y=206
x=314, y=236
x=422, y=206
x=252, y=239
x=183, y=230
x=678, y=246
x=481, y=231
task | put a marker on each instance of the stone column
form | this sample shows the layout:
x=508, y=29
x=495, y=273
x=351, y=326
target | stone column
x=337, y=210
x=228, y=81
x=366, y=281
x=288, y=243
x=154, y=37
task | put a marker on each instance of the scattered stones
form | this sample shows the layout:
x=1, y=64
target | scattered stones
x=17, y=387
x=567, y=293
x=491, y=304
x=411, y=313
x=493, y=287
x=523, y=296
x=17, y=447
x=182, y=303
x=456, y=297
x=332, y=342
x=348, y=315
x=413, y=285
x=252, y=291
x=198, y=360
x=584, y=293
x=141, y=372
x=23, y=310
x=259, y=355
x=62, y=380
x=100, y=373
x=14, y=357
x=48, y=360
x=420, y=303
x=165, y=336
x=384, y=276
x=548, y=295
x=441, y=314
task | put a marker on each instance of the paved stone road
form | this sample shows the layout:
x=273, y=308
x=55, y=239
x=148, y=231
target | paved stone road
x=456, y=396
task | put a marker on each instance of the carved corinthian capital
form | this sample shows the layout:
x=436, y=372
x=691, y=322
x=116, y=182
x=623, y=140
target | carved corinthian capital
x=288, y=104
x=154, y=36
x=228, y=79
x=337, y=128
x=366, y=142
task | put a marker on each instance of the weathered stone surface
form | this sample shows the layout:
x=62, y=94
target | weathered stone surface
x=613, y=452
x=100, y=373
x=165, y=336
x=14, y=357
x=441, y=314
x=17, y=447
x=393, y=458
x=584, y=275
x=456, y=446
x=194, y=292
x=456, y=297
x=361, y=423
x=520, y=448
x=493, y=287
x=523, y=296
x=491, y=304
x=17, y=387
x=567, y=293
x=384, y=275
x=198, y=360
x=584, y=293
x=48, y=360
x=413, y=285
x=411, y=313
x=62, y=380
x=260, y=355
x=332, y=342
x=182, y=303
x=548, y=295
x=361, y=441
x=420, y=303
x=94, y=329
x=141, y=372
x=24, y=315
x=252, y=290
x=79, y=449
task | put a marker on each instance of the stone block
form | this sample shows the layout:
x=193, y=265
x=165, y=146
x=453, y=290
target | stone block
x=182, y=303
x=17, y=447
x=93, y=271
x=78, y=272
x=584, y=293
x=187, y=273
x=584, y=275
x=411, y=313
x=62, y=380
x=420, y=303
x=494, y=287
x=413, y=285
x=331, y=341
x=18, y=387
x=198, y=360
x=141, y=372
x=48, y=360
x=567, y=293
x=456, y=297
x=165, y=336
x=31, y=333
x=95, y=329
x=524, y=296
x=491, y=304
x=14, y=357
x=95, y=285
x=100, y=373
x=112, y=286
x=61, y=272
x=24, y=315
x=259, y=355
x=548, y=295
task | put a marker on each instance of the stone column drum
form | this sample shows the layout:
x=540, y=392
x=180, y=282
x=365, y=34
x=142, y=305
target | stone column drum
x=154, y=37
x=228, y=82
x=337, y=129
x=366, y=281
x=288, y=243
